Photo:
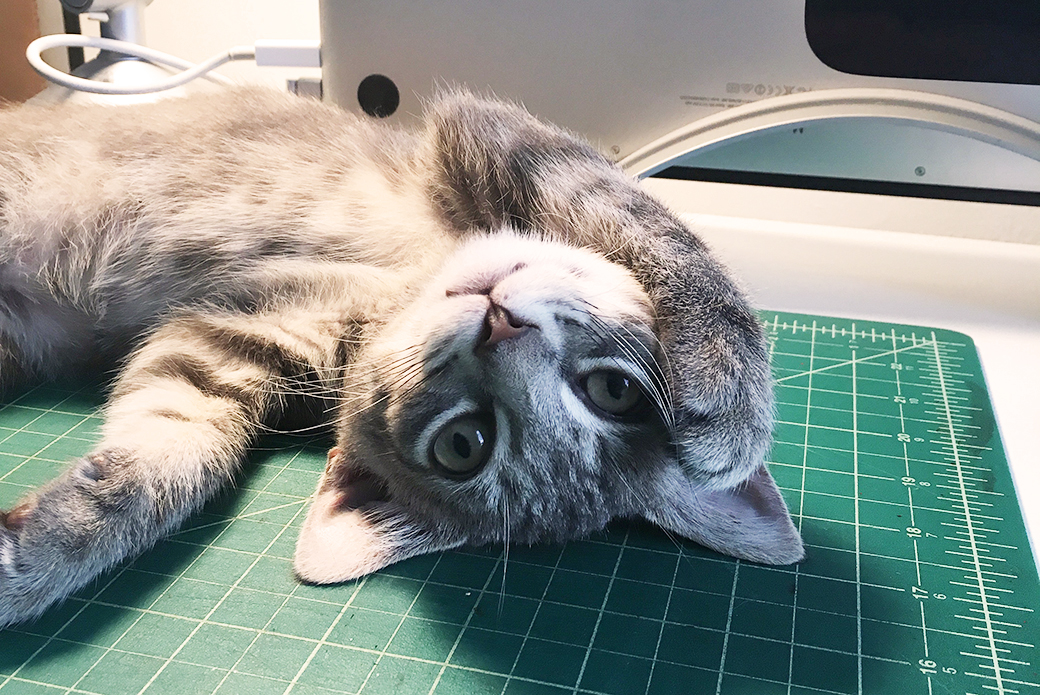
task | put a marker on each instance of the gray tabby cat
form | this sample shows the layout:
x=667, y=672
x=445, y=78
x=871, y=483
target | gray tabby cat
x=511, y=341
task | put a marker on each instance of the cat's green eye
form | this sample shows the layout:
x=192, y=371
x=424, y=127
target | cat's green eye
x=613, y=392
x=463, y=446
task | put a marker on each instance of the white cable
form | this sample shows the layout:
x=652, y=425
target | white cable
x=190, y=71
x=288, y=53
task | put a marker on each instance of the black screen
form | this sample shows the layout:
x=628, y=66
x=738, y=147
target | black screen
x=964, y=40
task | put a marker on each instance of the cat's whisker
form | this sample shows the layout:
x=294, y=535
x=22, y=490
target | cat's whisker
x=651, y=334
x=350, y=340
x=644, y=498
x=402, y=373
x=638, y=495
x=268, y=429
x=661, y=377
x=411, y=388
x=622, y=242
x=295, y=385
x=659, y=385
x=407, y=375
x=505, y=552
x=659, y=392
x=390, y=397
x=404, y=356
x=315, y=380
x=399, y=368
x=389, y=368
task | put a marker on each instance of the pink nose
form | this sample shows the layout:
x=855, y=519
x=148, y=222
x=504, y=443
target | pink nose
x=499, y=325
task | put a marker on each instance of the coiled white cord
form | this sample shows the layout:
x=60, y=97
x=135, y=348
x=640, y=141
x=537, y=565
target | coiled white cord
x=272, y=52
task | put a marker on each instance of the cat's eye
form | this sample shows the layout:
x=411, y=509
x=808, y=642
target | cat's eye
x=463, y=446
x=613, y=392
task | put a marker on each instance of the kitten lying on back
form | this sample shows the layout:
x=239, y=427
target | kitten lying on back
x=511, y=341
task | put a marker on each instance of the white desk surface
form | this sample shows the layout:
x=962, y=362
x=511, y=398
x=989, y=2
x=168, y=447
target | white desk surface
x=989, y=290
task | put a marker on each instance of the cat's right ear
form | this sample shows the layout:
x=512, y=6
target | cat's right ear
x=349, y=532
x=749, y=521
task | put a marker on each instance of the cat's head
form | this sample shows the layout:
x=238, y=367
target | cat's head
x=523, y=396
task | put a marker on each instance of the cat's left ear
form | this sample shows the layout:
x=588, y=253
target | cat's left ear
x=750, y=521
x=346, y=535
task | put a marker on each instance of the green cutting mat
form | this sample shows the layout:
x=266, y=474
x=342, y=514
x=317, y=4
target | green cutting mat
x=918, y=580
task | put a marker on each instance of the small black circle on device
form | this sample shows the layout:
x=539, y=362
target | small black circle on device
x=378, y=96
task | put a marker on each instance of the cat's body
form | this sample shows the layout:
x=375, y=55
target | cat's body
x=272, y=260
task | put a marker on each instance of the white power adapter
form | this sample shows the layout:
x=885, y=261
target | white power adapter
x=285, y=53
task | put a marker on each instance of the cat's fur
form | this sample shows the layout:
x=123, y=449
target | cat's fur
x=267, y=261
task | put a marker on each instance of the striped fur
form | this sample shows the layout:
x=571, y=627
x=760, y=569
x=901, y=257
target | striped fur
x=255, y=261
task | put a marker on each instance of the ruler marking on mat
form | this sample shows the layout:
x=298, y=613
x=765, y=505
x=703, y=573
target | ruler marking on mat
x=855, y=494
x=801, y=508
x=846, y=363
x=970, y=527
x=909, y=481
x=933, y=439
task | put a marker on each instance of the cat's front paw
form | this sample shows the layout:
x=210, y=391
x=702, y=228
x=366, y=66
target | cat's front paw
x=58, y=539
x=16, y=585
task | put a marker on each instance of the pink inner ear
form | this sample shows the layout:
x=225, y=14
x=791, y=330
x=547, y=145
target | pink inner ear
x=749, y=521
x=357, y=486
x=338, y=543
x=758, y=495
x=359, y=489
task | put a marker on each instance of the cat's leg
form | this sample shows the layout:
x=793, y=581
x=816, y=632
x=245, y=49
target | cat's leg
x=493, y=165
x=177, y=426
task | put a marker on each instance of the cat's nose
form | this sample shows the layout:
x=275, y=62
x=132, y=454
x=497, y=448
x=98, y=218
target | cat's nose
x=500, y=325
